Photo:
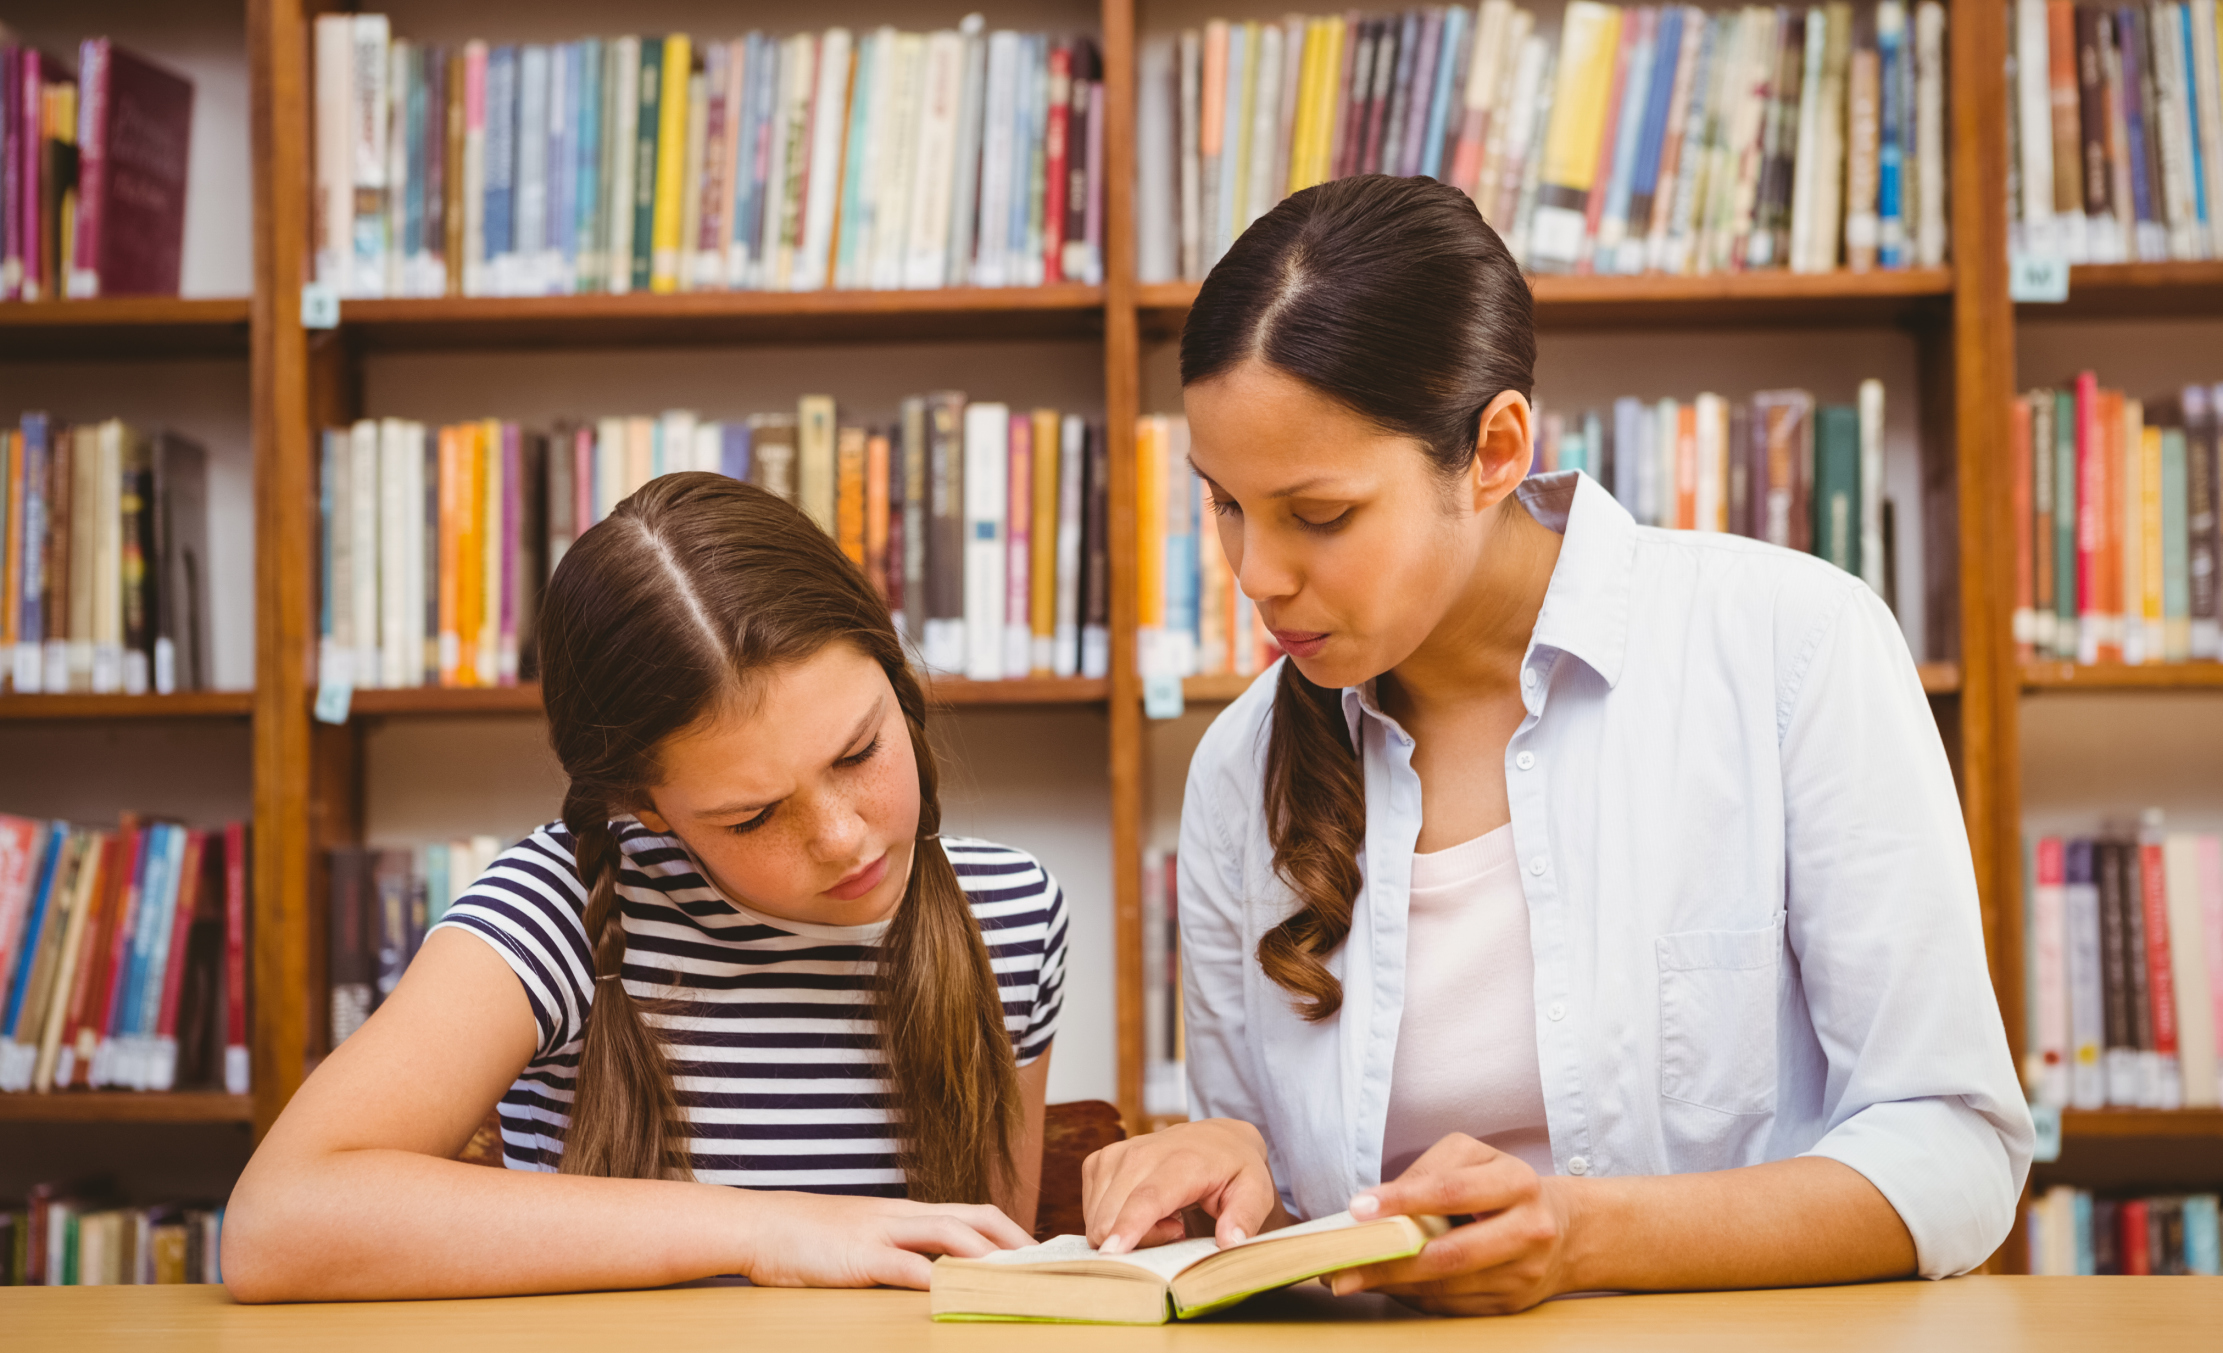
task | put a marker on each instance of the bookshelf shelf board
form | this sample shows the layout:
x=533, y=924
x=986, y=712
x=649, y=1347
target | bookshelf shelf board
x=124, y=326
x=524, y=698
x=1940, y=678
x=127, y=1106
x=2142, y=1123
x=184, y=705
x=1766, y=300
x=715, y=318
x=2115, y=676
x=2135, y=291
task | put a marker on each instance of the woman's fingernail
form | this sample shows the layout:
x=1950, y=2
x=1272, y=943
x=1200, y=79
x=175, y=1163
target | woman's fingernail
x=1112, y=1245
x=1365, y=1205
x=1341, y=1286
x=1235, y=1235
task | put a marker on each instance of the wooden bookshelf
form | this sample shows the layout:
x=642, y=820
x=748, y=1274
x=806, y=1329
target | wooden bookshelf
x=183, y=705
x=1748, y=300
x=725, y=318
x=127, y=1106
x=2144, y=1123
x=124, y=326
x=524, y=698
x=2116, y=676
x=2135, y=291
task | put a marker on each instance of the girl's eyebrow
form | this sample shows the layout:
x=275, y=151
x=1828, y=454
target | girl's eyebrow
x=872, y=718
x=1286, y=491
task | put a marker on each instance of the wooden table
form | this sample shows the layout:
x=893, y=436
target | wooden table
x=2147, y=1315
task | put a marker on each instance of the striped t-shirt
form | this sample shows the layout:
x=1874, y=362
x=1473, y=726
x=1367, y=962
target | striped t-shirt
x=774, y=1050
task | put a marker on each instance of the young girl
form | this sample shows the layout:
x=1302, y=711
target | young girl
x=1603, y=885
x=744, y=957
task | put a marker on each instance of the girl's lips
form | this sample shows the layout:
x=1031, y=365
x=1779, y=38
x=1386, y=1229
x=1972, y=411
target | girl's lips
x=861, y=882
x=1300, y=643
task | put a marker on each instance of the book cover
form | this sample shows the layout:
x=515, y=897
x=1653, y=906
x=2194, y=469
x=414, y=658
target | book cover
x=909, y=597
x=1065, y=650
x=135, y=119
x=814, y=460
x=648, y=167
x=2087, y=997
x=849, y=493
x=986, y=450
x=883, y=519
x=1043, y=540
x=1018, y=599
x=1590, y=38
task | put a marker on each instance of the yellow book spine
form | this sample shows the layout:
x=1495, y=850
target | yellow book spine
x=450, y=487
x=1592, y=32
x=849, y=493
x=1042, y=543
x=1307, y=58
x=470, y=550
x=671, y=164
x=489, y=635
x=1150, y=545
x=2150, y=537
x=1324, y=58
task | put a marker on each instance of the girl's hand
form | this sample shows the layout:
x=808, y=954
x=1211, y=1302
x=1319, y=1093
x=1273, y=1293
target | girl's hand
x=1134, y=1192
x=812, y=1240
x=1514, y=1254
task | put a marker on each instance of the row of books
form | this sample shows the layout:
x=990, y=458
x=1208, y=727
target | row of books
x=92, y=197
x=1644, y=139
x=984, y=526
x=2116, y=524
x=1165, y=1083
x=2124, y=951
x=382, y=901
x=2071, y=1232
x=875, y=160
x=104, y=572
x=77, y=1235
x=2116, y=131
x=123, y=956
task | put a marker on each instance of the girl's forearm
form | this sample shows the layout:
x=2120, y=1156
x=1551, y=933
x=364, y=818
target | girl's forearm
x=371, y=1224
x=1787, y=1223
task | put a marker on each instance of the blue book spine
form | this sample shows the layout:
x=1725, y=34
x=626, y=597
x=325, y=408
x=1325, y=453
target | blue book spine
x=2192, y=83
x=1593, y=445
x=413, y=196
x=2086, y=1262
x=34, y=920
x=855, y=214
x=1033, y=77
x=153, y=888
x=1439, y=107
x=501, y=160
x=563, y=163
x=2134, y=114
x=1651, y=141
x=1890, y=154
x=733, y=450
x=2203, y=1247
x=586, y=191
x=1635, y=101
x=30, y=608
x=157, y=972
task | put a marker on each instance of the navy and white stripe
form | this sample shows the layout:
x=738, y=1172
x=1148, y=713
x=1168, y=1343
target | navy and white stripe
x=775, y=1054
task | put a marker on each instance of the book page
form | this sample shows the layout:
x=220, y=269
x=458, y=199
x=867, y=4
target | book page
x=1162, y=1261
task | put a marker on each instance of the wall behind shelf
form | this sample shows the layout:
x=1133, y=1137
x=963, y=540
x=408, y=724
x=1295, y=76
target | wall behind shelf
x=2094, y=757
x=2145, y=358
x=199, y=771
x=206, y=401
x=1576, y=371
x=149, y=1162
x=205, y=41
x=1038, y=779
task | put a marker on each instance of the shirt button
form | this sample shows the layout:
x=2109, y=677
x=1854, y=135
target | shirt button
x=1526, y=760
x=1558, y=1010
x=1538, y=865
x=1578, y=1165
x=1528, y=677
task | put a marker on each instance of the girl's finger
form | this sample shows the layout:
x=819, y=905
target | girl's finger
x=891, y=1267
x=991, y=1221
x=940, y=1233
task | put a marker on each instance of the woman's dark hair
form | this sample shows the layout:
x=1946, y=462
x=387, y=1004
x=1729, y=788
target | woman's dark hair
x=688, y=594
x=1393, y=297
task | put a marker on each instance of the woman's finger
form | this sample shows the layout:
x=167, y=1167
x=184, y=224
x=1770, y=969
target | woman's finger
x=1465, y=1253
x=1491, y=1186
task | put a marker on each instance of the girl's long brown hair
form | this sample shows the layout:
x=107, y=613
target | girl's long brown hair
x=1394, y=298
x=694, y=587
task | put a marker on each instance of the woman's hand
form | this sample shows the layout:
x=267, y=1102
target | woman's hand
x=1515, y=1253
x=812, y=1240
x=1134, y=1192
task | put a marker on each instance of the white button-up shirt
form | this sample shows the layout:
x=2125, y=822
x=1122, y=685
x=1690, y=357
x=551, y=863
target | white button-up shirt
x=1752, y=911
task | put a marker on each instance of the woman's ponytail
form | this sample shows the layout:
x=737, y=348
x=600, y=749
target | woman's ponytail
x=624, y=1111
x=1316, y=820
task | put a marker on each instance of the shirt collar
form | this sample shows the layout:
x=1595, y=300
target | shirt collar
x=1586, y=605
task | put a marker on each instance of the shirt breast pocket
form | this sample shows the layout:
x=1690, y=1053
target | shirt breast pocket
x=1717, y=1017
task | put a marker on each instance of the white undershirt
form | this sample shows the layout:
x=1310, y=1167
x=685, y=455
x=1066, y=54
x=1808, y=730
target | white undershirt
x=1466, y=1045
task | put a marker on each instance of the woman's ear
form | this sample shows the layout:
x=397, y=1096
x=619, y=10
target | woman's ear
x=1502, y=450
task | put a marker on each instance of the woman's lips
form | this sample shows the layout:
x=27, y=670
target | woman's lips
x=863, y=881
x=1300, y=643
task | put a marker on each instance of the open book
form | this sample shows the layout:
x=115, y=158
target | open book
x=1066, y=1279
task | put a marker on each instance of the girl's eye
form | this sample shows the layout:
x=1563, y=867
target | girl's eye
x=1223, y=507
x=860, y=757
x=744, y=828
x=1329, y=525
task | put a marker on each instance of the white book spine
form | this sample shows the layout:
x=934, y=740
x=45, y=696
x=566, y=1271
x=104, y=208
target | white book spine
x=2208, y=96
x=393, y=550
x=368, y=153
x=335, y=172
x=823, y=188
x=363, y=540
x=869, y=107
x=999, y=127
x=1929, y=133
x=2087, y=1002
x=987, y=491
x=934, y=161
x=622, y=138
x=2047, y=1068
x=896, y=173
x=1871, y=484
x=1157, y=257
x=2035, y=103
x=1713, y=438
x=2190, y=973
x=1806, y=167
x=413, y=500
x=964, y=218
x=1065, y=654
x=530, y=174
x=401, y=70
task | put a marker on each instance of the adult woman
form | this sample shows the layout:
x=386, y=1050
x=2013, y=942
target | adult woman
x=1603, y=882
x=745, y=956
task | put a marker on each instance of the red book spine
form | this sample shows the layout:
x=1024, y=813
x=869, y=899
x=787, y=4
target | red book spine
x=11, y=172
x=31, y=117
x=2131, y=1217
x=2091, y=504
x=1054, y=164
x=2161, y=981
x=189, y=897
x=127, y=925
x=2110, y=563
x=91, y=960
x=235, y=958
x=92, y=166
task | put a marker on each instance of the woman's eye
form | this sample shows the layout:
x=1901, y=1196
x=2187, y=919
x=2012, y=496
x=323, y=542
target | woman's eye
x=1329, y=525
x=744, y=828
x=1223, y=507
x=860, y=757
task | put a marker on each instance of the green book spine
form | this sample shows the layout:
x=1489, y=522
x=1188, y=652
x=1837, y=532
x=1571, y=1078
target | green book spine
x=2064, y=524
x=1837, y=485
x=644, y=163
x=70, y=1235
x=2176, y=554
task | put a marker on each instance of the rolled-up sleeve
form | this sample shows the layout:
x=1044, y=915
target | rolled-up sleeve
x=1921, y=1095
